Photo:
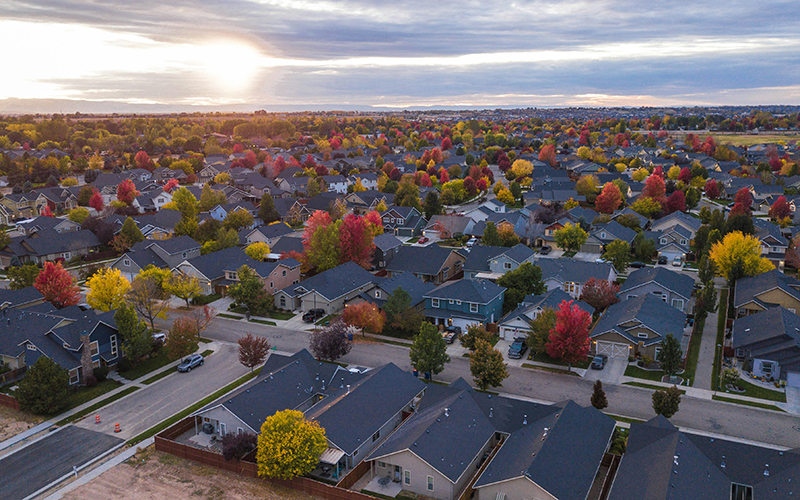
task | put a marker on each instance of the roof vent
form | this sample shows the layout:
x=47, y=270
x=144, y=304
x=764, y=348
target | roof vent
x=447, y=412
x=438, y=419
x=490, y=412
x=525, y=421
x=348, y=388
x=766, y=471
x=722, y=465
x=675, y=459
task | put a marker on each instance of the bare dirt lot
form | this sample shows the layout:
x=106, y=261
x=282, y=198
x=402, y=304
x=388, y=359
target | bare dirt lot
x=12, y=422
x=157, y=476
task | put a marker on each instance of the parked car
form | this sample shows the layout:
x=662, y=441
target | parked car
x=518, y=348
x=637, y=265
x=662, y=259
x=358, y=369
x=472, y=242
x=160, y=336
x=451, y=333
x=677, y=261
x=600, y=260
x=422, y=240
x=313, y=314
x=545, y=250
x=599, y=362
x=190, y=362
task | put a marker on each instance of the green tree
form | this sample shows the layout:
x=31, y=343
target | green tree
x=266, y=210
x=598, y=399
x=131, y=232
x=407, y=194
x=183, y=286
x=487, y=366
x=666, y=402
x=400, y=316
x=618, y=253
x=78, y=215
x=184, y=201
x=210, y=198
x=522, y=281
x=137, y=341
x=250, y=292
x=313, y=188
x=433, y=205
x=45, y=388
x=670, y=355
x=490, y=235
x=570, y=237
x=238, y=219
x=541, y=326
x=428, y=352
x=644, y=248
x=631, y=221
x=289, y=445
x=22, y=276
x=475, y=332
x=225, y=238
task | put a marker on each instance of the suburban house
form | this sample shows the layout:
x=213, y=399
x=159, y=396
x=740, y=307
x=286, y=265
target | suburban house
x=533, y=450
x=610, y=231
x=637, y=327
x=485, y=209
x=328, y=290
x=464, y=302
x=368, y=180
x=366, y=201
x=672, y=242
x=673, y=288
x=448, y=226
x=517, y=323
x=59, y=225
x=386, y=246
x=357, y=410
x=152, y=200
x=759, y=293
x=220, y=212
x=164, y=254
x=680, y=219
x=19, y=299
x=570, y=275
x=773, y=242
x=769, y=344
x=413, y=286
x=60, y=199
x=48, y=245
x=268, y=233
x=159, y=225
x=336, y=183
x=430, y=263
x=661, y=459
x=403, y=221
x=23, y=204
x=489, y=262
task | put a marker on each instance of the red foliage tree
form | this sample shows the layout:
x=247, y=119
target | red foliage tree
x=475, y=172
x=170, y=185
x=712, y=189
x=709, y=146
x=126, y=191
x=470, y=186
x=238, y=148
x=780, y=209
x=569, y=340
x=356, y=240
x=365, y=316
x=482, y=185
x=437, y=156
x=742, y=202
x=658, y=171
x=142, y=160
x=654, y=188
x=600, y=293
x=47, y=212
x=279, y=165
x=685, y=176
x=676, y=202
x=443, y=175
x=548, y=154
x=57, y=285
x=321, y=170
x=252, y=350
x=422, y=179
x=374, y=218
x=775, y=163
x=447, y=144
x=609, y=199
x=96, y=201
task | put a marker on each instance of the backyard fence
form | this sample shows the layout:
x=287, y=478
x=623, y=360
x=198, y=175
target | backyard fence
x=9, y=402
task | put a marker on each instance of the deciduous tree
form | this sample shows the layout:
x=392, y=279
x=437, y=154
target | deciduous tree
x=148, y=298
x=131, y=232
x=780, y=209
x=541, y=326
x=107, y=289
x=289, y=445
x=522, y=281
x=238, y=445
x=126, y=192
x=257, y=251
x=609, y=199
x=487, y=366
x=183, y=286
x=570, y=237
x=267, y=211
x=331, y=343
x=600, y=293
x=737, y=256
x=183, y=338
x=569, y=340
x=136, y=340
x=365, y=316
x=676, y=202
x=654, y=188
x=57, y=285
x=618, y=253
x=253, y=350
x=78, y=215
x=429, y=350
x=712, y=189
x=250, y=292
x=356, y=240
x=238, y=220
x=670, y=355
x=22, y=276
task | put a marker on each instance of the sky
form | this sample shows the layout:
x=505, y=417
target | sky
x=385, y=55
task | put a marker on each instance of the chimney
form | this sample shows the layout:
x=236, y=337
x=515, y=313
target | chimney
x=86, y=355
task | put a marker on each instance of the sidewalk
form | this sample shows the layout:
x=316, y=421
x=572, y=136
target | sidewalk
x=698, y=393
x=705, y=360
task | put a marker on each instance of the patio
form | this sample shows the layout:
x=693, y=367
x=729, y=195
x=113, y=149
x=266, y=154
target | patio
x=384, y=485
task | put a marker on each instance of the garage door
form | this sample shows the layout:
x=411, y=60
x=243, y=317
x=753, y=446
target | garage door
x=612, y=349
x=793, y=379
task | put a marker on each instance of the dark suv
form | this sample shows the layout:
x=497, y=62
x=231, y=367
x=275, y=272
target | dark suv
x=518, y=348
x=451, y=334
x=313, y=315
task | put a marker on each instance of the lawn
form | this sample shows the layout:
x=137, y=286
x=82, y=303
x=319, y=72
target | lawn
x=754, y=391
x=751, y=139
x=283, y=316
x=636, y=372
x=412, y=240
x=542, y=357
x=148, y=365
x=262, y=322
x=85, y=394
x=721, y=319
x=549, y=369
x=160, y=375
x=238, y=309
x=229, y=316
x=649, y=386
x=324, y=321
x=746, y=403
x=86, y=411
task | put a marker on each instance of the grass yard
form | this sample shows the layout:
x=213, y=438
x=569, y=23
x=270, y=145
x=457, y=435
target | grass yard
x=160, y=375
x=148, y=365
x=747, y=403
x=549, y=369
x=542, y=357
x=262, y=322
x=751, y=139
x=649, y=386
x=694, y=351
x=636, y=372
x=754, y=391
x=324, y=321
x=283, y=316
x=85, y=394
x=229, y=316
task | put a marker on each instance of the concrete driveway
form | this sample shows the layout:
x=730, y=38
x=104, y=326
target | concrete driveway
x=611, y=374
x=793, y=400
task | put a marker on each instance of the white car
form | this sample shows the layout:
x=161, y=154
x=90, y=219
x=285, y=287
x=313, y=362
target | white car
x=677, y=262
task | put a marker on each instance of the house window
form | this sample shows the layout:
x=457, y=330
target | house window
x=382, y=465
x=631, y=296
x=283, y=273
x=430, y=483
x=407, y=477
x=741, y=492
x=377, y=294
x=283, y=301
x=239, y=431
x=126, y=262
x=222, y=428
x=766, y=367
x=570, y=287
x=458, y=302
x=435, y=303
x=66, y=255
x=271, y=285
x=677, y=303
x=663, y=241
x=473, y=308
x=31, y=347
x=506, y=265
x=74, y=378
x=658, y=350
x=93, y=349
x=603, y=235
x=113, y=345
x=183, y=255
x=376, y=436
x=642, y=335
x=450, y=301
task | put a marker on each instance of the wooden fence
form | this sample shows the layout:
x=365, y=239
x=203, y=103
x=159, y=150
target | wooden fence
x=12, y=376
x=9, y=402
x=612, y=461
x=247, y=467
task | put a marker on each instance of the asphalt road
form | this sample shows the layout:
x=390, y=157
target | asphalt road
x=698, y=414
x=35, y=466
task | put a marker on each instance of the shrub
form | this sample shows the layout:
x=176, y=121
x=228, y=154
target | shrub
x=202, y=300
x=124, y=365
x=100, y=373
x=238, y=445
x=90, y=380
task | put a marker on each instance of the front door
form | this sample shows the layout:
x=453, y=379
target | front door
x=397, y=473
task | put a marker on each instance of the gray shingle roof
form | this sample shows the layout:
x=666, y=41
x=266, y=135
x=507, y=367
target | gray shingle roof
x=427, y=260
x=748, y=288
x=334, y=282
x=479, y=256
x=16, y=298
x=412, y=285
x=476, y=291
x=773, y=334
x=175, y=245
x=677, y=282
x=576, y=271
x=647, y=310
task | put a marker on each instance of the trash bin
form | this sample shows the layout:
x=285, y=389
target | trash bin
x=416, y=373
x=427, y=375
x=350, y=337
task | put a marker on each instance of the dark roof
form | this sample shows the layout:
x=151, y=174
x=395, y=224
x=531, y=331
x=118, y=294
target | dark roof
x=386, y=241
x=476, y=291
x=479, y=256
x=213, y=265
x=748, y=288
x=647, y=310
x=175, y=245
x=48, y=241
x=677, y=282
x=334, y=282
x=412, y=285
x=16, y=298
x=19, y=325
x=576, y=271
x=548, y=300
x=427, y=260
x=773, y=334
x=287, y=244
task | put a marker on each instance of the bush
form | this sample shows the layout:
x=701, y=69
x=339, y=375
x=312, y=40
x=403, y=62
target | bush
x=157, y=345
x=202, y=300
x=238, y=445
x=124, y=365
x=45, y=388
x=90, y=380
x=100, y=373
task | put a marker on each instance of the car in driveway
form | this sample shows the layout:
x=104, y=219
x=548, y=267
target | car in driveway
x=313, y=314
x=451, y=334
x=518, y=348
x=545, y=250
x=677, y=261
x=190, y=362
x=636, y=265
x=599, y=362
x=662, y=259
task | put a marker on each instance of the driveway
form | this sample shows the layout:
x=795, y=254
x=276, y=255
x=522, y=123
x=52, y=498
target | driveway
x=611, y=373
x=37, y=465
x=793, y=400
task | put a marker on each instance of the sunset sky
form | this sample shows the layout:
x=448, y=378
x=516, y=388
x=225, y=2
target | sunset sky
x=376, y=54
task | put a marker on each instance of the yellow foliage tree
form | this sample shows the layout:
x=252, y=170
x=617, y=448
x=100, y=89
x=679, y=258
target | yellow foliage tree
x=358, y=186
x=674, y=172
x=289, y=445
x=505, y=196
x=69, y=182
x=522, y=168
x=570, y=204
x=223, y=178
x=257, y=251
x=640, y=174
x=107, y=289
x=183, y=286
x=739, y=255
x=621, y=167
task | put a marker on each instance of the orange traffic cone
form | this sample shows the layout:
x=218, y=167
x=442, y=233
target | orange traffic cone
x=97, y=419
x=116, y=428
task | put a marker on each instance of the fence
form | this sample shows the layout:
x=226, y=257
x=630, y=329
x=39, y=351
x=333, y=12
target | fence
x=164, y=442
x=12, y=376
x=9, y=402
x=612, y=461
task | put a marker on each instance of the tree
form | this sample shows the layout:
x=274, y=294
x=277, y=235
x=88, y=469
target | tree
x=428, y=352
x=289, y=445
x=183, y=286
x=618, y=253
x=45, y=388
x=148, y=298
x=356, y=240
x=210, y=198
x=253, y=350
x=541, y=326
x=107, y=289
x=238, y=445
x=184, y=201
x=670, y=355
x=599, y=400
x=676, y=202
x=126, y=192
x=507, y=235
x=609, y=199
x=433, y=205
x=224, y=238
x=250, y=292
x=647, y=207
x=238, y=220
x=780, y=209
x=569, y=340
x=365, y=316
x=522, y=281
x=521, y=168
x=738, y=255
x=548, y=154
x=490, y=236
x=587, y=185
x=475, y=332
x=267, y=211
x=655, y=189
x=223, y=178
x=600, y=293
x=22, y=276
x=142, y=160
x=487, y=366
x=257, y=251
x=131, y=232
x=331, y=343
x=712, y=189
x=321, y=241
x=742, y=202
x=85, y=194
x=137, y=341
x=57, y=286
x=666, y=402
x=407, y=194
x=183, y=338
x=644, y=247
x=78, y=215
x=570, y=237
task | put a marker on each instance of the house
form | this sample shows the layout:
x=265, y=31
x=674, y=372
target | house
x=403, y=221
x=769, y=344
x=159, y=225
x=335, y=183
x=386, y=245
x=485, y=209
x=48, y=245
x=672, y=242
x=152, y=200
x=490, y=262
x=355, y=409
x=164, y=254
x=220, y=212
x=19, y=299
x=517, y=323
x=366, y=201
x=30, y=226
x=269, y=233
x=570, y=275
x=663, y=462
x=431, y=263
x=761, y=292
x=448, y=226
x=534, y=450
x=291, y=210
x=673, y=288
x=284, y=245
x=328, y=290
x=368, y=180
x=464, y=302
x=611, y=231
x=677, y=218
x=413, y=286
x=773, y=242
x=23, y=204
x=637, y=326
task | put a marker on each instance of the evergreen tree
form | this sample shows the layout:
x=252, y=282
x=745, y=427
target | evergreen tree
x=131, y=232
x=490, y=236
x=599, y=400
x=137, y=341
x=266, y=209
x=45, y=388
x=433, y=205
x=670, y=355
